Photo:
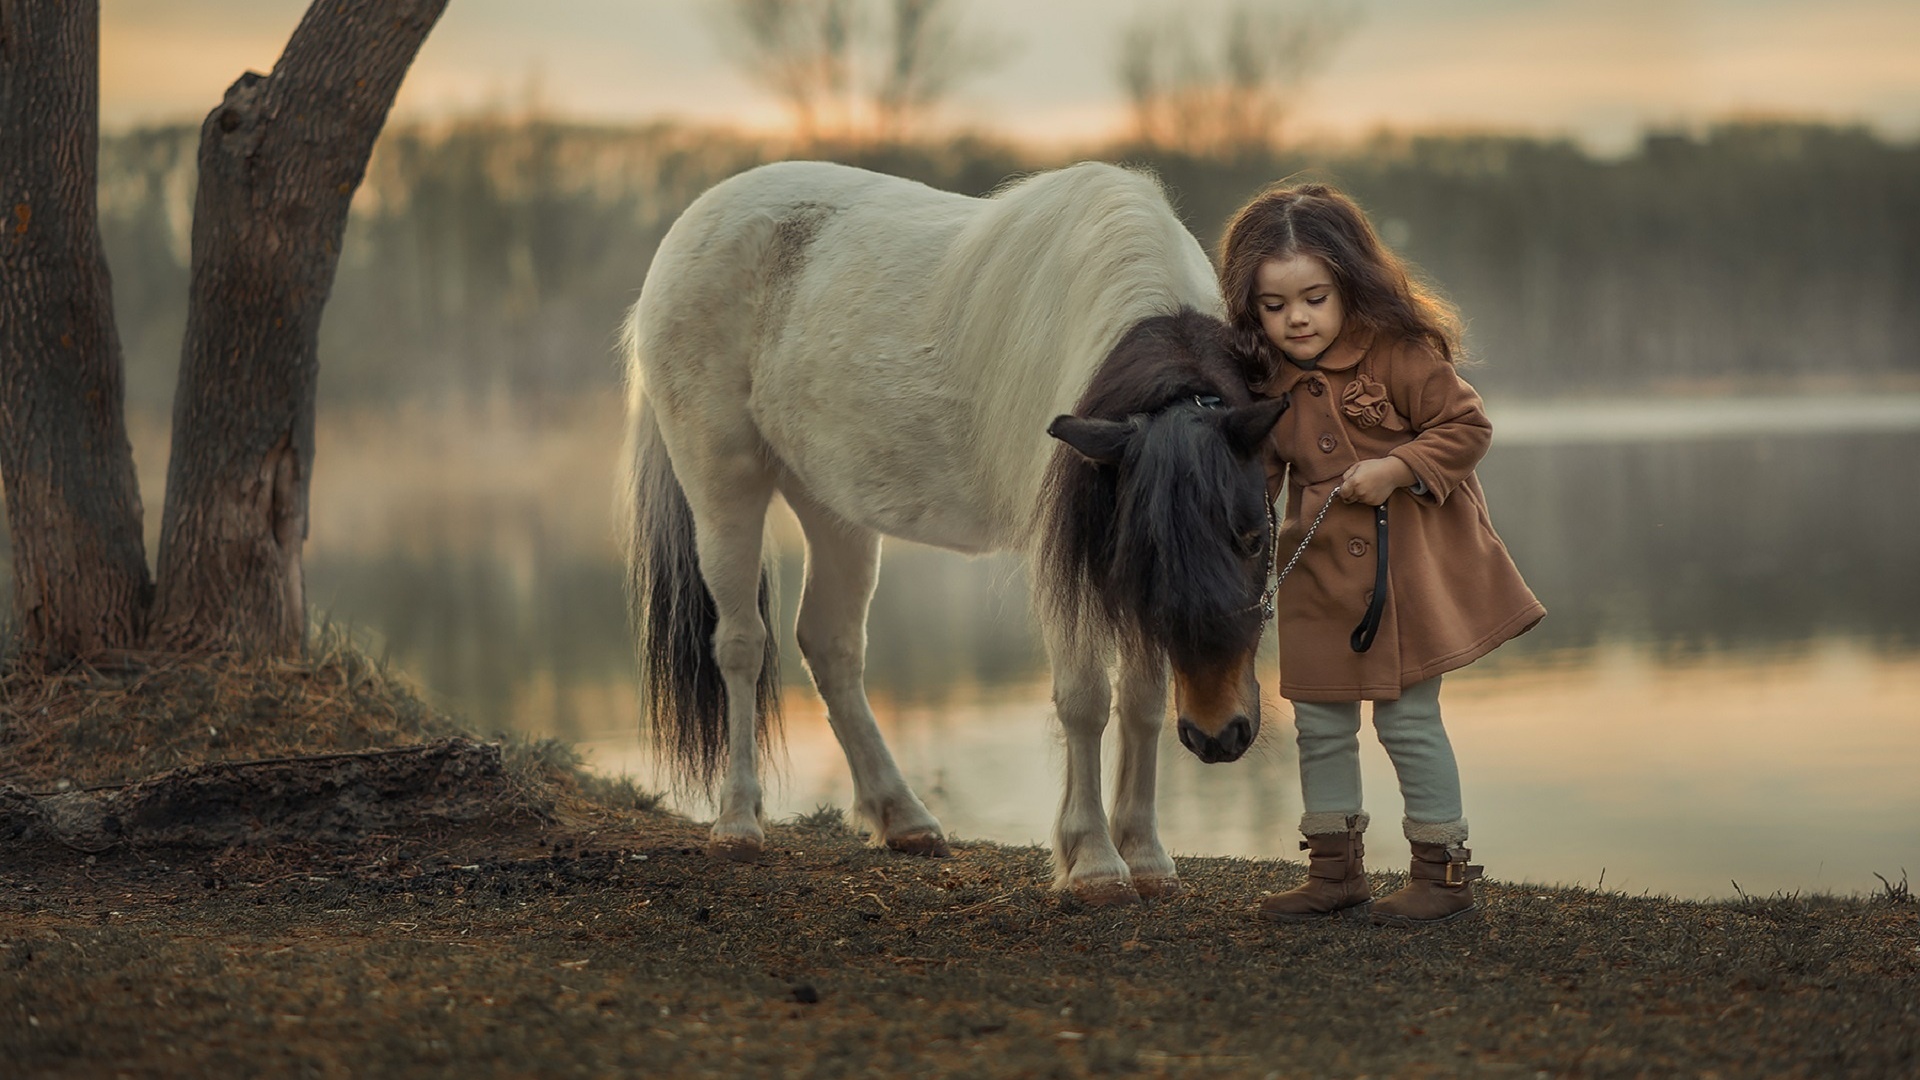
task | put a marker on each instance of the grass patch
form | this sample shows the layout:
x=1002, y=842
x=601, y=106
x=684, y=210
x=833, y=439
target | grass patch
x=108, y=724
x=1895, y=894
x=825, y=819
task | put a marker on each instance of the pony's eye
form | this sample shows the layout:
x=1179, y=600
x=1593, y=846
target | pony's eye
x=1250, y=543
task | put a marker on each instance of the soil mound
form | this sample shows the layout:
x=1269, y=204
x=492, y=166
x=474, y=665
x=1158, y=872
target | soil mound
x=329, y=799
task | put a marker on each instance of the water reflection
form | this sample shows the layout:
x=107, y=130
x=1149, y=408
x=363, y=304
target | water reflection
x=1727, y=687
x=1715, y=543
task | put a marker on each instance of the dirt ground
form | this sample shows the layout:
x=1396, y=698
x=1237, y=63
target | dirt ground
x=615, y=945
x=535, y=931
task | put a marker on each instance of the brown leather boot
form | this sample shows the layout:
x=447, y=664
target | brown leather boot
x=1336, y=884
x=1439, y=888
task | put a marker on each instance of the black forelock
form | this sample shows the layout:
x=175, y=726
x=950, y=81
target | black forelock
x=1177, y=581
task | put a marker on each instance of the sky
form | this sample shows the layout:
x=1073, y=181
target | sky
x=1600, y=72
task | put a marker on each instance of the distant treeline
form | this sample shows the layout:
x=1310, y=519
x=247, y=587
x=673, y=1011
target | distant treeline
x=493, y=257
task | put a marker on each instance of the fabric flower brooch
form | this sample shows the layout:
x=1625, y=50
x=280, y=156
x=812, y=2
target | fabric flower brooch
x=1365, y=403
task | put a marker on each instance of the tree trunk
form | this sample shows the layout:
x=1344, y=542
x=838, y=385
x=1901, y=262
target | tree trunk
x=73, y=505
x=279, y=162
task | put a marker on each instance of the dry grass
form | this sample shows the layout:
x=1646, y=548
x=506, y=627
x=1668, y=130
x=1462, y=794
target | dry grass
x=136, y=715
x=133, y=715
x=1895, y=894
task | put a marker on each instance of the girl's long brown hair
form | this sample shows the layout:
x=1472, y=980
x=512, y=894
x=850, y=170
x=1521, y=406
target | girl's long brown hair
x=1376, y=289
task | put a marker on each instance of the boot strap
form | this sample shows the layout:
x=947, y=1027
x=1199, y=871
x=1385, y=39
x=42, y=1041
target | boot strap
x=1454, y=873
x=1337, y=867
x=1332, y=869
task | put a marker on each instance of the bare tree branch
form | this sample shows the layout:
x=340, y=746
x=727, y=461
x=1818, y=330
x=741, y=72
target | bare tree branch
x=795, y=49
x=1222, y=79
x=846, y=68
x=930, y=52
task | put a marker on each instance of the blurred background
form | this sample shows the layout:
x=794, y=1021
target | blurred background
x=1685, y=235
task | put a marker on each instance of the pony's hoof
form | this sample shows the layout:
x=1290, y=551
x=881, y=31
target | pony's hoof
x=735, y=848
x=1158, y=888
x=928, y=844
x=1110, y=893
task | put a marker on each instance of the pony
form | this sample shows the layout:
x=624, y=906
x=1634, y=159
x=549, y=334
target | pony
x=1042, y=370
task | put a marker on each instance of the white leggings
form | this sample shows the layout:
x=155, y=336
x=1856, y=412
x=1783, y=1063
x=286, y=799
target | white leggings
x=1410, y=729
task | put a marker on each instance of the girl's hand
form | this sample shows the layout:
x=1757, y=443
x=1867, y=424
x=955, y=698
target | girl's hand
x=1372, y=481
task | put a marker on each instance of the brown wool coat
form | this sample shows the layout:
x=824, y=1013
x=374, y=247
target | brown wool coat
x=1453, y=592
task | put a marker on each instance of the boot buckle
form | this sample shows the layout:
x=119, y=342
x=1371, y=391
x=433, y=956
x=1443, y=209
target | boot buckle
x=1458, y=872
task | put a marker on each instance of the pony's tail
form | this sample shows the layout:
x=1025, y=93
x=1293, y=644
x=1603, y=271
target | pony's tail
x=684, y=698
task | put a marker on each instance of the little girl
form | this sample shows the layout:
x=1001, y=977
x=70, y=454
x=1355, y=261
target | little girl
x=1380, y=440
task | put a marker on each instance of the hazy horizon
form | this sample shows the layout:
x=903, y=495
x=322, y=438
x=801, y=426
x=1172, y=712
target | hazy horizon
x=1601, y=74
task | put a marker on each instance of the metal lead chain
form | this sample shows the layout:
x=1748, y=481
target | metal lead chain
x=1273, y=588
x=1308, y=539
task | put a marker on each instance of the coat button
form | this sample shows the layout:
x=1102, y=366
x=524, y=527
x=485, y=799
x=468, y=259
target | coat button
x=1314, y=387
x=1356, y=547
x=1327, y=444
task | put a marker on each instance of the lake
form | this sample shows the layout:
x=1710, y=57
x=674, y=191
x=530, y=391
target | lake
x=1725, y=696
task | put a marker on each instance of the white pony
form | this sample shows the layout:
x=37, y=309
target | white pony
x=888, y=358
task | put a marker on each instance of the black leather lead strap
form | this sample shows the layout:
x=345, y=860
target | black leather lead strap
x=1370, y=623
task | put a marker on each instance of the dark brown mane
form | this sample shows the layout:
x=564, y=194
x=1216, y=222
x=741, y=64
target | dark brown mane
x=1122, y=538
x=1162, y=359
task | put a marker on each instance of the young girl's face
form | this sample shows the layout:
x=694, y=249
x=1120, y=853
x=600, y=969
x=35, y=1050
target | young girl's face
x=1299, y=305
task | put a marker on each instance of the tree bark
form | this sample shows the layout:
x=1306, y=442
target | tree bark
x=279, y=160
x=73, y=504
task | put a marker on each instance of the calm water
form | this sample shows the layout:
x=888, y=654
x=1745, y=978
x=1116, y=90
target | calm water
x=1727, y=688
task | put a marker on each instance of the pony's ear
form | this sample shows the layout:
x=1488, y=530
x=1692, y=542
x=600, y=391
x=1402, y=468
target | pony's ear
x=1246, y=426
x=1103, y=442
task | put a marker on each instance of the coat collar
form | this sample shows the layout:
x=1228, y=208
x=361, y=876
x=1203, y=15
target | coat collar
x=1344, y=354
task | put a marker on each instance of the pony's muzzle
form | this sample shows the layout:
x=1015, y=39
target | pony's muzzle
x=1232, y=741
